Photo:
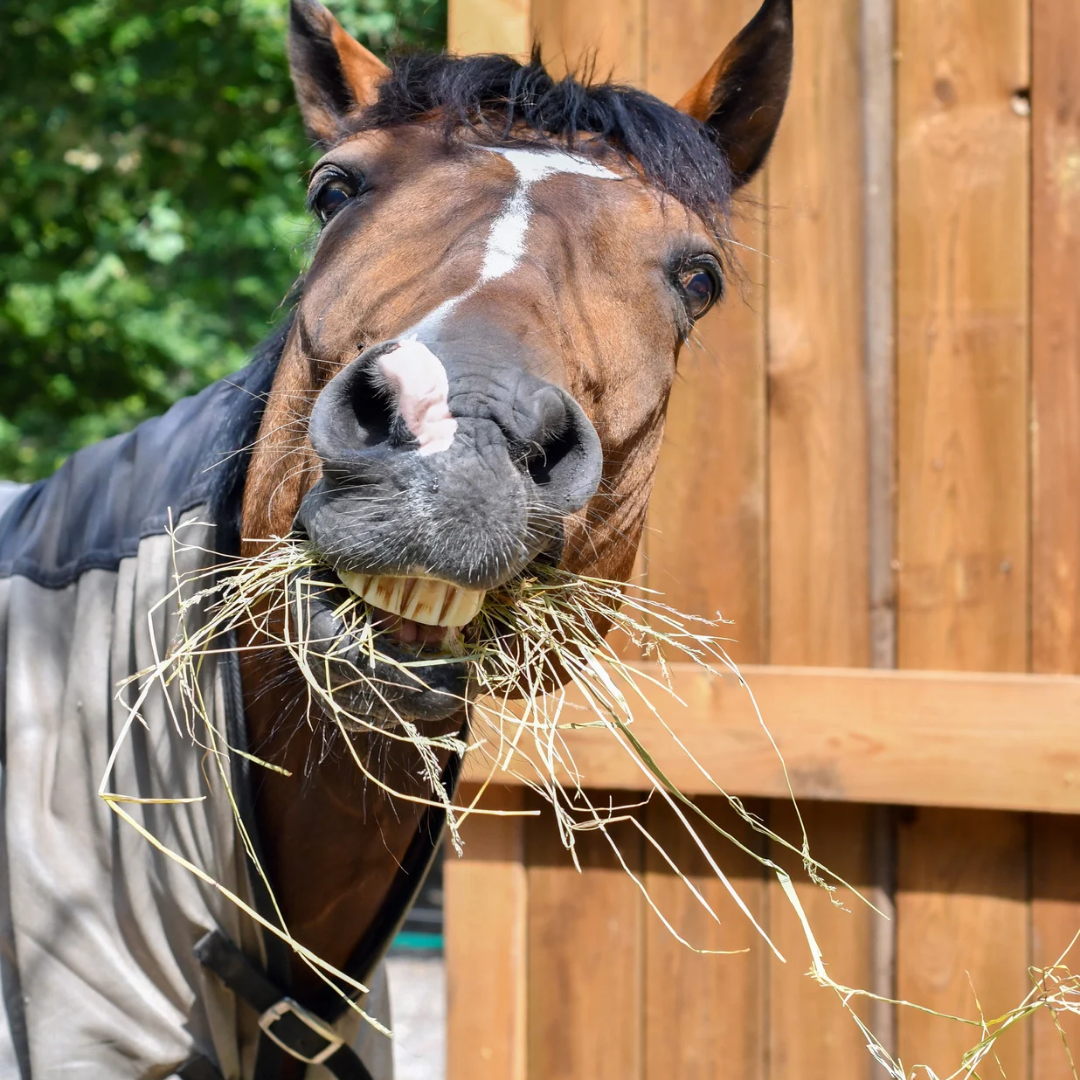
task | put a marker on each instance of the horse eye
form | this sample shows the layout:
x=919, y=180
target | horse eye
x=701, y=286
x=332, y=196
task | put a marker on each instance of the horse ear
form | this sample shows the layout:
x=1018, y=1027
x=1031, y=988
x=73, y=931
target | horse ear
x=333, y=73
x=741, y=97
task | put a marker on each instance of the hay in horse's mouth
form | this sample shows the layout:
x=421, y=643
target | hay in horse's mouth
x=534, y=632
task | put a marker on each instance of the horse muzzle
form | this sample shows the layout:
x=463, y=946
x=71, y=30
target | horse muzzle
x=446, y=462
x=446, y=470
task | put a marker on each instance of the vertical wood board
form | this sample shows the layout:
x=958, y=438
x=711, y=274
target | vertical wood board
x=489, y=26
x=818, y=577
x=1055, y=232
x=811, y=1037
x=485, y=944
x=707, y=545
x=879, y=239
x=603, y=37
x=962, y=933
x=704, y=1015
x=962, y=324
x=586, y=953
x=1055, y=921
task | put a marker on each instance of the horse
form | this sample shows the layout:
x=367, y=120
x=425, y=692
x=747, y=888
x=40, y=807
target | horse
x=471, y=381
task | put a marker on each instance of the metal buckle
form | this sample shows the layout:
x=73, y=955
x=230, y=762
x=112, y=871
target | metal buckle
x=281, y=1008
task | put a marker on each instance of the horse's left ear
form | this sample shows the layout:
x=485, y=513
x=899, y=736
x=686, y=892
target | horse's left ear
x=741, y=97
x=333, y=73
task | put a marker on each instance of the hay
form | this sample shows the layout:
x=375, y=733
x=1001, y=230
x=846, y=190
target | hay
x=532, y=634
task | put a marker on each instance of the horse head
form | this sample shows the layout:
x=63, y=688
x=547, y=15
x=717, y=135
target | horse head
x=483, y=347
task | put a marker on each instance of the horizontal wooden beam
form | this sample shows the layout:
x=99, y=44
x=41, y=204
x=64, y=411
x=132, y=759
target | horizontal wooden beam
x=905, y=737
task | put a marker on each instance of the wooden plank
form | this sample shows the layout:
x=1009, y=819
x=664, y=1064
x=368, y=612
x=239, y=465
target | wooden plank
x=1055, y=919
x=1055, y=573
x=1055, y=228
x=586, y=954
x=707, y=543
x=962, y=934
x=818, y=579
x=878, y=18
x=485, y=944
x=684, y=42
x=704, y=1015
x=925, y=738
x=605, y=36
x=811, y=1036
x=489, y=26
x=879, y=244
x=963, y=321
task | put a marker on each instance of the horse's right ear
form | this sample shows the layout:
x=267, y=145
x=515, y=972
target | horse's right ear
x=741, y=97
x=333, y=73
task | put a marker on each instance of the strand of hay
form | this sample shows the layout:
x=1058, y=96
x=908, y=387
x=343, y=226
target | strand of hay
x=530, y=635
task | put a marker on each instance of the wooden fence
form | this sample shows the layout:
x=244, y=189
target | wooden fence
x=872, y=462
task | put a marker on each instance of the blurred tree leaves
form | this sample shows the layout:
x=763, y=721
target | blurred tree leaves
x=151, y=202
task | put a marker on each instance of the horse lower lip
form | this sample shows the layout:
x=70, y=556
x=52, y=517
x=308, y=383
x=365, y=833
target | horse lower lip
x=426, y=601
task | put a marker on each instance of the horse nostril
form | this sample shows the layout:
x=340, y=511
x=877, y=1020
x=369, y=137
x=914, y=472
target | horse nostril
x=353, y=414
x=563, y=455
x=547, y=417
x=372, y=408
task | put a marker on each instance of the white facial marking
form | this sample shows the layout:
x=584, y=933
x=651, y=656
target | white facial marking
x=506, y=238
x=414, y=374
x=506, y=241
x=417, y=379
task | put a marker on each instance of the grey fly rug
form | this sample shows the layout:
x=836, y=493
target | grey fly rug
x=115, y=961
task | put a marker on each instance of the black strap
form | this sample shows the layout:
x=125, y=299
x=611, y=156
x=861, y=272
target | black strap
x=294, y=1028
x=198, y=1068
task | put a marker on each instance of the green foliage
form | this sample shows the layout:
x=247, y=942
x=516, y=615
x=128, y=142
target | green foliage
x=151, y=202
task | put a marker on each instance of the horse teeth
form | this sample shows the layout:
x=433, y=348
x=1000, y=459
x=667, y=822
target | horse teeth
x=387, y=593
x=423, y=600
x=462, y=606
x=355, y=583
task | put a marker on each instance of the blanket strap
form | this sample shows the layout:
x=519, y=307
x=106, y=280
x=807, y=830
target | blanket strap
x=298, y=1031
x=198, y=1068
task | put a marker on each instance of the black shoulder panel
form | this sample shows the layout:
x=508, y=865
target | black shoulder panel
x=96, y=508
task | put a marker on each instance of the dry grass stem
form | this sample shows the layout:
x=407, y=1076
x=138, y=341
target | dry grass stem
x=532, y=634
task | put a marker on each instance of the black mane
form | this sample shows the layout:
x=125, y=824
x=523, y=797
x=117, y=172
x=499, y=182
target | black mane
x=502, y=98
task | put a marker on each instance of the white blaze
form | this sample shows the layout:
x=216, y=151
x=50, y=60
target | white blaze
x=413, y=372
x=506, y=240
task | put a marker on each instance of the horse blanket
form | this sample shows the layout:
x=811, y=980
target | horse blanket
x=98, y=975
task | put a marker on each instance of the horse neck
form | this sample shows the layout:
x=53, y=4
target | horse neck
x=333, y=838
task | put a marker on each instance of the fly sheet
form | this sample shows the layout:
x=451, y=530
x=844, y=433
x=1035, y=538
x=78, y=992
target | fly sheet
x=97, y=926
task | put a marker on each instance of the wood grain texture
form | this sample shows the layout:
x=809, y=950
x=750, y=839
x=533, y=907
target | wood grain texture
x=818, y=585
x=936, y=739
x=489, y=26
x=676, y=56
x=1055, y=920
x=707, y=540
x=485, y=934
x=963, y=321
x=811, y=1037
x=1055, y=233
x=704, y=1015
x=962, y=933
x=586, y=955
x=604, y=36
